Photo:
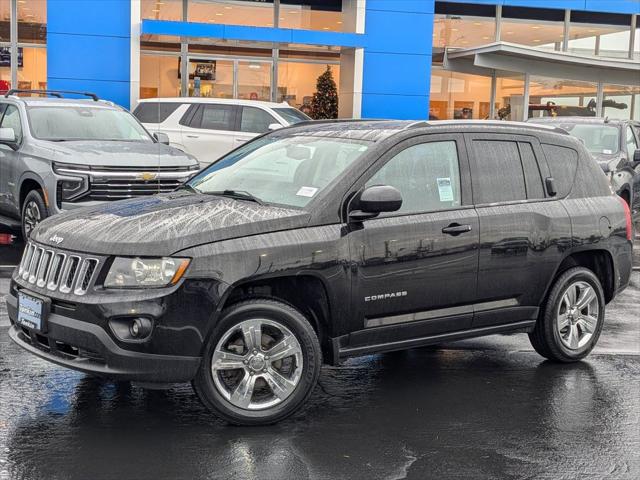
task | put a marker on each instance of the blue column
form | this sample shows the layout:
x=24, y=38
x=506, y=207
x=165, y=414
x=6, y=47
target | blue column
x=89, y=47
x=397, y=59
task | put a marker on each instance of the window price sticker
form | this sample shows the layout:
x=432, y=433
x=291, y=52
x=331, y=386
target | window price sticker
x=444, y=189
x=307, y=191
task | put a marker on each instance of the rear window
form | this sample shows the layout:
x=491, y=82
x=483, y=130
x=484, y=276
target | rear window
x=155, y=112
x=563, y=163
x=292, y=115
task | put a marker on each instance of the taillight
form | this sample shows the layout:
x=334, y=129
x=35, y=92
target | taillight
x=627, y=216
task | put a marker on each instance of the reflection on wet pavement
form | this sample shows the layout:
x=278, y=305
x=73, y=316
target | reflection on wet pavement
x=486, y=408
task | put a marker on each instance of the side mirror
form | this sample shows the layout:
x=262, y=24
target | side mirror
x=376, y=200
x=162, y=138
x=634, y=163
x=7, y=135
x=274, y=126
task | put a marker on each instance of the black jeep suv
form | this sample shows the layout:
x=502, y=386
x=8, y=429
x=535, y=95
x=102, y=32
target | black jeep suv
x=325, y=241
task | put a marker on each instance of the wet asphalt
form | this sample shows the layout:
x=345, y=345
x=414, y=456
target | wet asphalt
x=488, y=408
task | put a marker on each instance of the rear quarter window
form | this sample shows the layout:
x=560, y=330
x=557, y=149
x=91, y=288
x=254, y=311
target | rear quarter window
x=155, y=112
x=563, y=163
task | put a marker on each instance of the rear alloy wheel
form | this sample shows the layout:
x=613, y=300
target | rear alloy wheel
x=260, y=364
x=34, y=211
x=570, y=323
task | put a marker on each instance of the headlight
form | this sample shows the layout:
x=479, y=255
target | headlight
x=73, y=187
x=145, y=272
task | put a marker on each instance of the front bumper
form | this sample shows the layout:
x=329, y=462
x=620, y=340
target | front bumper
x=79, y=336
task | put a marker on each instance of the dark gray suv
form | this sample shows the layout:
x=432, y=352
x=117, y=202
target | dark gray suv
x=61, y=153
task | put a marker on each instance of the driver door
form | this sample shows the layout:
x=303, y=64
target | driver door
x=415, y=270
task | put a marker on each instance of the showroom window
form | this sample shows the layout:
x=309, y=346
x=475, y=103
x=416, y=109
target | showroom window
x=459, y=96
x=463, y=26
x=621, y=101
x=510, y=97
x=297, y=81
x=602, y=34
x=556, y=97
x=535, y=27
x=29, y=71
x=327, y=15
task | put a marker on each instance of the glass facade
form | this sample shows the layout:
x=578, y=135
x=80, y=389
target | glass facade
x=297, y=81
x=557, y=97
x=510, y=97
x=463, y=26
x=604, y=35
x=30, y=70
x=296, y=14
x=540, y=28
x=622, y=101
x=459, y=96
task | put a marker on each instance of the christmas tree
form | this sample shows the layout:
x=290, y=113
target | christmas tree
x=325, y=101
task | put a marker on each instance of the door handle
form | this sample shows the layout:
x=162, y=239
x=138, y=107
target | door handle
x=456, y=229
x=193, y=136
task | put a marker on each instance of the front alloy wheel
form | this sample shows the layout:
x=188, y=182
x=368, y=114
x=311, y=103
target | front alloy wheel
x=257, y=364
x=34, y=211
x=260, y=364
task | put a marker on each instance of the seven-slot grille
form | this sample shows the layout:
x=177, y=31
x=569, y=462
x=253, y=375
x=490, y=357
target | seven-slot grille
x=56, y=270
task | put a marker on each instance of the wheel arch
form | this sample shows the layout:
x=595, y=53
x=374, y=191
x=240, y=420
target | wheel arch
x=305, y=292
x=27, y=184
x=599, y=261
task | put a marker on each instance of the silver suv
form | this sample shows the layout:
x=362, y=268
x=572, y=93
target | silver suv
x=60, y=153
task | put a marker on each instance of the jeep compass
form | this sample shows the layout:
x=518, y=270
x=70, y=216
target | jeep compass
x=324, y=241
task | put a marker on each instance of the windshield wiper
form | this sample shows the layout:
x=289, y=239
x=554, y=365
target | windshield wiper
x=237, y=195
x=186, y=186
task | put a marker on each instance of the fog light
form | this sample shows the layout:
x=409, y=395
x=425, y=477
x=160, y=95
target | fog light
x=135, y=328
x=130, y=329
x=140, y=327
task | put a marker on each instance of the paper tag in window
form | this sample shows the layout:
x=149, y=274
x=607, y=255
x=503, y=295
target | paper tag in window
x=607, y=152
x=307, y=191
x=444, y=189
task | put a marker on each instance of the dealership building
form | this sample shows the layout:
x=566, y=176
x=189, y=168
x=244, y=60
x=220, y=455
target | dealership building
x=414, y=59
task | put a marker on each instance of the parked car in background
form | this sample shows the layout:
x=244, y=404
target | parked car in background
x=363, y=237
x=208, y=128
x=614, y=144
x=60, y=153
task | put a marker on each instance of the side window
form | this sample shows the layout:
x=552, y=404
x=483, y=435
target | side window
x=427, y=175
x=531, y=171
x=214, y=117
x=11, y=119
x=499, y=176
x=563, y=164
x=255, y=120
x=155, y=112
x=632, y=146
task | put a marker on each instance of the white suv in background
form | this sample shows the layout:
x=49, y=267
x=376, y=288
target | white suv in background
x=207, y=128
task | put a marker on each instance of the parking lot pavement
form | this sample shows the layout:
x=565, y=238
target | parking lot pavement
x=486, y=408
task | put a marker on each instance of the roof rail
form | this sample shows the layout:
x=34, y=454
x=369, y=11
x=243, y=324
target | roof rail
x=339, y=120
x=53, y=93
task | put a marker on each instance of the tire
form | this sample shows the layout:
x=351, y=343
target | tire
x=33, y=212
x=564, y=331
x=238, y=365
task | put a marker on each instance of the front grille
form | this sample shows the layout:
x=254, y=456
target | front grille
x=56, y=270
x=120, y=189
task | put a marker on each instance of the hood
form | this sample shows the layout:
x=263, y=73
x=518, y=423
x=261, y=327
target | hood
x=162, y=225
x=119, y=154
x=607, y=161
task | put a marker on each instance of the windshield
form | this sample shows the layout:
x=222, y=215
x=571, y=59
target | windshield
x=67, y=123
x=601, y=139
x=288, y=171
x=292, y=115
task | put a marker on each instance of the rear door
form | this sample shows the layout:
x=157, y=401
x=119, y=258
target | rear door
x=208, y=133
x=632, y=144
x=523, y=231
x=414, y=270
x=253, y=121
